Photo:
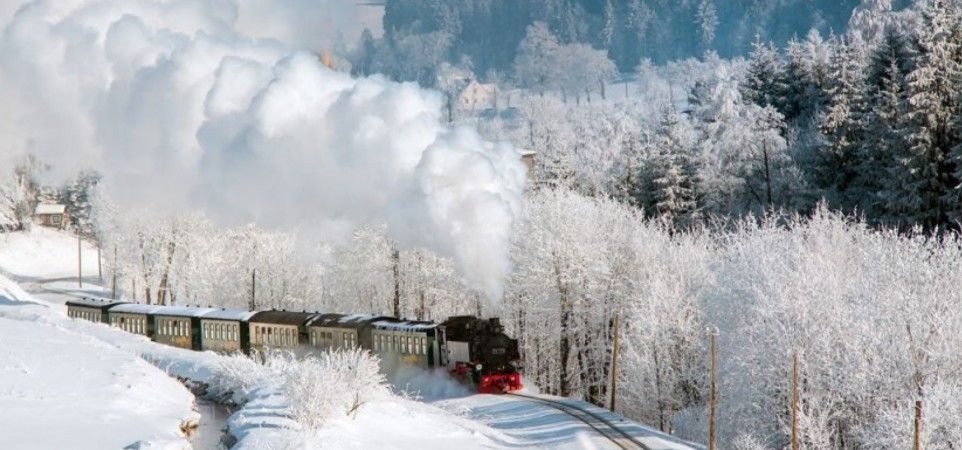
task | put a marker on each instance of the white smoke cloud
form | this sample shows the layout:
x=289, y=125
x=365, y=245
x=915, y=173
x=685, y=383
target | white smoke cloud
x=179, y=105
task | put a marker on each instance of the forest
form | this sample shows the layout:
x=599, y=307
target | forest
x=486, y=34
x=794, y=190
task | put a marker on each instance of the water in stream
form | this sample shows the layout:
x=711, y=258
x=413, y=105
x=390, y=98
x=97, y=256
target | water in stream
x=213, y=425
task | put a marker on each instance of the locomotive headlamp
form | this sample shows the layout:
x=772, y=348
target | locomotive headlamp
x=477, y=367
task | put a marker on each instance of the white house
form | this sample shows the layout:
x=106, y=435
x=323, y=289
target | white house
x=478, y=96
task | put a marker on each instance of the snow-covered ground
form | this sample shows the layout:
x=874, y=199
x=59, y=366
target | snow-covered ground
x=60, y=388
x=74, y=384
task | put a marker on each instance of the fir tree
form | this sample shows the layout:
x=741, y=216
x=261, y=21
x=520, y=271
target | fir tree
x=927, y=193
x=673, y=174
x=764, y=82
x=881, y=164
x=77, y=200
x=843, y=127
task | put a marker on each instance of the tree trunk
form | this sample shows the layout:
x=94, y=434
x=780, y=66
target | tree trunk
x=162, y=289
x=713, y=396
x=565, y=343
x=768, y=174
x=661, y=401
x=794, y=443
x=396, y=304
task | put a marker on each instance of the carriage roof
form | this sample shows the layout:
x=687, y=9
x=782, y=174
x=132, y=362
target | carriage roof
x=97, y=303
x=182, y=311
x=281, y=317
x=351, y=321
x=408, y=326
x=237, y=315
x=135, y=308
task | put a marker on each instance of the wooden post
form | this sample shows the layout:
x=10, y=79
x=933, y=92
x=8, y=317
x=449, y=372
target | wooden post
x=918, y=425
x=253, y=305
x=80, y=265
x=113, y=281
x=713, y=395
x=795, y=400
x=614, y=366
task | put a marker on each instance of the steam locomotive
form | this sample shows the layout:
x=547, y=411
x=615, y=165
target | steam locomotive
x=474, y=350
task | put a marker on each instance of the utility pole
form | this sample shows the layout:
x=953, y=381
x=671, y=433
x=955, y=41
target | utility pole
x=80, y=265
x=713, y=395
x=253, y=305
x=795, y=400
x=100, y=271
x=918, y=425
x=614, y=365
x=113, y=281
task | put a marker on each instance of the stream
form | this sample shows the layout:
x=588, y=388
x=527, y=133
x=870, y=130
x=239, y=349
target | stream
x=213, y=425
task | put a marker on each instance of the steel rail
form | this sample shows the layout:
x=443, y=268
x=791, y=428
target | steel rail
x=579, y=413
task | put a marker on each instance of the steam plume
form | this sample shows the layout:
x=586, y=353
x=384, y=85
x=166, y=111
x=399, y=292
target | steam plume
x=177, y=104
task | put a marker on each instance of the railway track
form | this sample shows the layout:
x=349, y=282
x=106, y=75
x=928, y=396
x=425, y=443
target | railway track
x=603, y=426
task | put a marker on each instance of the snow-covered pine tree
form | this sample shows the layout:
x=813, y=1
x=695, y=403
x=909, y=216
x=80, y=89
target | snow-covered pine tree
x=837, y=163
x=881, y=165
x=764, y=82
x=927, y=192
x=806, y=77
x=77, y=196
x=673, y=173
x=768, y=169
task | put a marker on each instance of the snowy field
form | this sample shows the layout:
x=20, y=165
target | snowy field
x=73, y=384
x=61, y=388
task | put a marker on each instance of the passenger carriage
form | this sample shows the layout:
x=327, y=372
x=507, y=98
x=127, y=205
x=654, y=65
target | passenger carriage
x=278, y=329
x=94, y=310
x=409, y=343
x=225, y=331
x=134, y=318
x=179, y=326
x=335, y=331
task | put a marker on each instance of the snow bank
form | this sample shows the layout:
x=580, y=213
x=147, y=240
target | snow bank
x=45, y=253
x=61, y=389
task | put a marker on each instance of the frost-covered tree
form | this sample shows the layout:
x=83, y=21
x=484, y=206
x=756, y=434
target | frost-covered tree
x=537, y=62
x=765, y=82
x=77, y=198
x=671, y=173
x=583, y=69
x=837, y=164
x=881, y=167
x=927, y=192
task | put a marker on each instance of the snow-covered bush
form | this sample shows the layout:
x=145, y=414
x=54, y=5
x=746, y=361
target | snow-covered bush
x=235, y=377
x=333, y=384
x=317, y=387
